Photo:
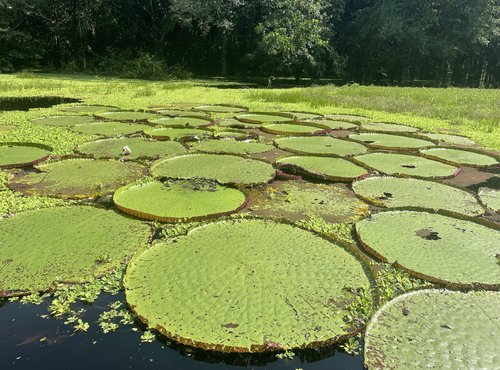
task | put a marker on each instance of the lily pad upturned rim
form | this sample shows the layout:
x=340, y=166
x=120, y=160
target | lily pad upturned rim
x=273, y=128
x=27, y=164
x=206, y=108
x=154, y=121
x=424, y=153
x=152, y=217
x=286, y=117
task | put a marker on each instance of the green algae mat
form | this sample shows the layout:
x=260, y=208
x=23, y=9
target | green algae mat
x=393, y=192
x=110, y=128
x=333, y=124
x=292, y=128
x=64, y=245
x=225, y=169
x=387, y=127
x=230, y=146
x=64, y=121
x=220, y=108
x=490, y=198
x=407, y=165
x=245, y=286
x=333, y=169
x=77, y=178
x=174, y=201
x=131, y=116
x=450, y=251
x=435, y=329
x=450, y=139
x=177, y=133
x=22, y=154
x=259, y=118
x=295, y=201
x=320, y=145
x=460, y=157
x=139, y=147
x=88, y=109
x=387, y=141
x=184, y=121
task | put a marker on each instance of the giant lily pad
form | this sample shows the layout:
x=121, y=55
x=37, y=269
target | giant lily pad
x=456, y=156
x=221, y=108
x=450, y=139
x=129, y=116
x=259, y=118
x=225, y=169
x=320, y=145
x=407, y=165
x=245, y=286
x=178, y=200
x=230, y=122
x=299, y=116
x=177, y=133
x=232, y=147
x=296, y=201
x=437, y=248
x=435, y=329
x=334, y=125
x=179, y=112
x=334, y=169
x=64, y=244
x=293, y=128
x=387, y=141
x=140, y=148
x=22, y=154
x=67, y=121
x=400, y=192
x=88, y=109
x=347, y=117
x=184, y=121
x=387, y=127
x=110, y=128
x=77, y=178
x=490, y=198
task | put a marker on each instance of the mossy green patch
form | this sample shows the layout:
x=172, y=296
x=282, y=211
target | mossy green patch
x=5, y=128
x=22, y=154
x=65, y=121
x=463, y=157
x=320, y=145
x=230, y=146
x=387, y=141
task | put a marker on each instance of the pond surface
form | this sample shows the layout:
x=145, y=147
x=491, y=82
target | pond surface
x=29, y=102
x=29, y=341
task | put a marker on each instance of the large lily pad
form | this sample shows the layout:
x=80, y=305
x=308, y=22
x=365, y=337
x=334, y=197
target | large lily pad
x=140, y=148
x=22, y=154
x=293, y=128
x=347, y=117
x=295, y=201
x=181, y=122
x=490, y=198
x=65, y=121
x=245, y=286
x=225, y=169
x=394, y=192
x=232, y=147
x=179, y=112
x=64, y=244
x=334, y=169
x=320, y=145
x=221, y=108
x=177, y=133
x=387, y=127
x=88, y=109
x=231, y=122
x=173, y=201
x=110, y=128
x=259, y=118
x=334, y=125
x=299, y=116
x=77, y=178
x=407, y=165
x=456, y=156
x=387, y=141
x=437, y=248
x=435, y=329
x=129, y=116
x=450, y=139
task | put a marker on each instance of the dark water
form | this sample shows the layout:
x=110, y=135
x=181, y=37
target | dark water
x=21, y=329
x=27, y=103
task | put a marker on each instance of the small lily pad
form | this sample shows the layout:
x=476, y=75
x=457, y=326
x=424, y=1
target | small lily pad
x=180, y=113
x=347, y=117
x=387, y=141
x=300, y=116
x=456, y=156
x=182, y=122
x=110, y=128
x=221, y=108
x=88, y=109
x=450, y=139
x=65, y=121
x=490, y=198
x=14, y=155
x=320, y=145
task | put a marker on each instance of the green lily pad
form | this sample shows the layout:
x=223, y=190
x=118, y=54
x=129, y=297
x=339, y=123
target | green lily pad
x=334, y=169
x=168, y=133
x=140, y=147
x=232, y=147
x=64, y=245
x=456, y=156
x=407, y=165
x=433, y=247
x=387, y=141
x=450, y=139
x=88, y=109
x=181, y=122
x=393, y=192
x=490, y=198
x=174, y=201
x=334, y=125
x=292, y=129
x=387, y=127
x=225, y=169
x=129, y=116
x=299, y=116
x=320, y=145
x=347, y=117
x=180, y=113
x=110, y=128
x=234, y=134
x=230, y=122
x=259, y=118
x=22, y=154
x=77, y=178
x=295, y=201
x=222, y=108
x=245, y=286
x=435, y=329
x=65, y=121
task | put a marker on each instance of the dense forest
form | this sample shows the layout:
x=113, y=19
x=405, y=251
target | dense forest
x=428, y=42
